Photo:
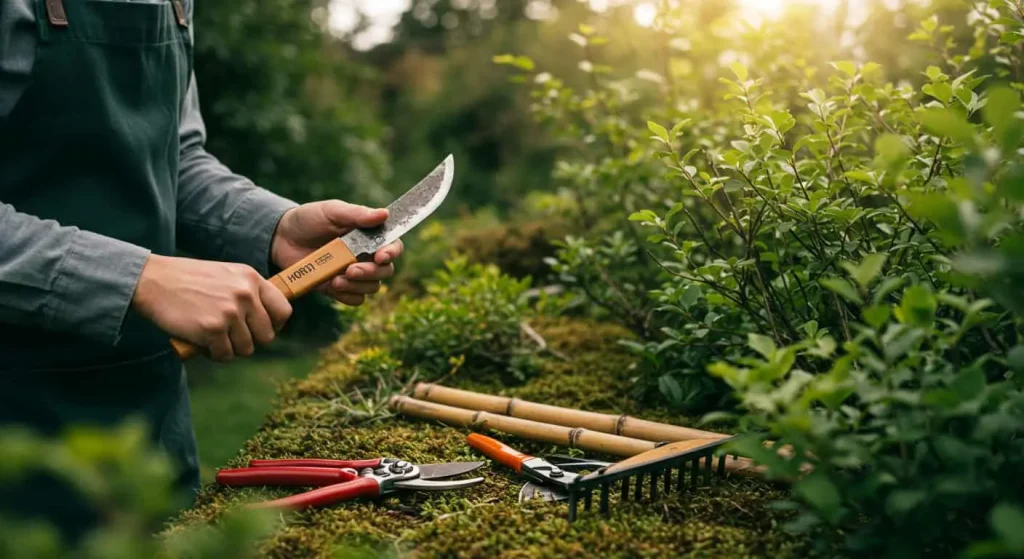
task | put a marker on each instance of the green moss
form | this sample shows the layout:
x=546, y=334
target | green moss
x=518, y=249
x=731, y=518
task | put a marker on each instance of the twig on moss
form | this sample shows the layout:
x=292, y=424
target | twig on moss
x=539, y=340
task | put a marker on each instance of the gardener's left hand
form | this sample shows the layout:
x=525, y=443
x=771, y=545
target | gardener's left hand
x=308, y=227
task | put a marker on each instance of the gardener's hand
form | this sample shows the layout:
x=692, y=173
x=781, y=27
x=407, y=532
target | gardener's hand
x=308, y=227
x=225, y=308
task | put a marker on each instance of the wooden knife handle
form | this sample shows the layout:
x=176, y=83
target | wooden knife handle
x=297, y=280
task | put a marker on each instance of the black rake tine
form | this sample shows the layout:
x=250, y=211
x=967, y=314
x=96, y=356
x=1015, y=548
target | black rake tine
x=681, y=480
x=587, y=499
x=625, y=488
x=604, y=498
x=694, y=472
x=639, y=487
x=707, y=468
x=654, y=486
x=573, y=501
x=721, y=464
x=668, y=480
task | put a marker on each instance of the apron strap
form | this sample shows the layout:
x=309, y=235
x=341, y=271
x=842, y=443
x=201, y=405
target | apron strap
x=56, y=14
x=179, y=11
x=59, y=18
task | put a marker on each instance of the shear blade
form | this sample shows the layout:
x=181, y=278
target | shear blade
x=447, y=469
x=429, y=485
x=532, y=491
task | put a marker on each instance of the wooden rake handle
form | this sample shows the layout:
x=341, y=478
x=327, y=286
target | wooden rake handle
x=297, y=280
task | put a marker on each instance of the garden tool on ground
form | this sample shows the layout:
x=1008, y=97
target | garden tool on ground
x=533, y=490
x=539, y=470
x=572, y=437
x=343, y=480
x=623, y=427
x=657, y=465
x=331, y=259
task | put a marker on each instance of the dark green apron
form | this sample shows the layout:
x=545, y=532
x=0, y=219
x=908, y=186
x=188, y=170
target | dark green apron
x=93, y=143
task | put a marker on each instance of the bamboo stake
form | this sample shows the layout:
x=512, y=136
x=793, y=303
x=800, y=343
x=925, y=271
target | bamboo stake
x=605, y=423
x=530, y=430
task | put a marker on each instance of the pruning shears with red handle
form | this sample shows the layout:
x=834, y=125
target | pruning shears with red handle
x=344, y=480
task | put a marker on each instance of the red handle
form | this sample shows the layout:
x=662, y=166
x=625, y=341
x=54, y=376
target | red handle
x=283, y=475
x=360, y=487
x=316, y=463
x=498, y=451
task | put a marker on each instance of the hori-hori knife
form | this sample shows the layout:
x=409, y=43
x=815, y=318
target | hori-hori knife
x=333, y=258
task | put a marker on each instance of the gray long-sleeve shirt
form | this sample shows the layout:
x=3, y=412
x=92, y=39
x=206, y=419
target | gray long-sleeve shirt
x=67, y=279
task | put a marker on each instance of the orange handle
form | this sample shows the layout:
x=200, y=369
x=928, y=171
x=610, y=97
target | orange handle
x=498, y=451
x=300, y=278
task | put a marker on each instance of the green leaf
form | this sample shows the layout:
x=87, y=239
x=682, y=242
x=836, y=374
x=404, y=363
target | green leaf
x=1008, y=522
x=843, y=288
x=891, y=152
x=646, y=216
x=1001, y=113
x=1002, y=105
x=658, y=130
x=947, y=124
x=1015, y=358
x=862, y=176
x=670, y=388
x=1012, y=183
x=939, y=90
x=942, y=211
x=739, y=70
x=969, y=383
x=918, y=306
x=877, y=315
x=846, y=67
x=935, y=74
x=902, y=501
x=762, y=344
x=821, y=494
x=867, y=271
x=930, y=24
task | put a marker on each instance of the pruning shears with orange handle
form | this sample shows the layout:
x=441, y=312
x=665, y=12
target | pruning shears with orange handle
x=533, y=467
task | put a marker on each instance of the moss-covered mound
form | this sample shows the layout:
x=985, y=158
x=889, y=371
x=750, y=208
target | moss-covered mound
x=731, y=518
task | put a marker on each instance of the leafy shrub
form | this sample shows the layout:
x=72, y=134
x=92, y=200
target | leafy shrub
x=913, y=446
x=129, y=485
x=751, y=209
x=471, y=315
x=843, y=220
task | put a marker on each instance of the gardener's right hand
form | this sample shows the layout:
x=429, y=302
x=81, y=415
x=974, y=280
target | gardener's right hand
x=225, y=308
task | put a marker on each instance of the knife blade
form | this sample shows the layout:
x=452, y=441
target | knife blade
x=333, y=258
x=448, y=469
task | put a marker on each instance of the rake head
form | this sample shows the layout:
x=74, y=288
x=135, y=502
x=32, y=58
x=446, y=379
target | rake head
x=677, y=466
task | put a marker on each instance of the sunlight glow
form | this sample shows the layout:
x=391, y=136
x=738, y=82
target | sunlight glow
x=760, y=11
x=644, y=13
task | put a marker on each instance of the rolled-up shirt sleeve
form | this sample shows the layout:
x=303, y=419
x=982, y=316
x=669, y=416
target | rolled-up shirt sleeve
x=65, y=279
x=221, y=215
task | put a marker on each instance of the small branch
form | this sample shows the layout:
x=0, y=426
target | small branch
x=542, y=345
